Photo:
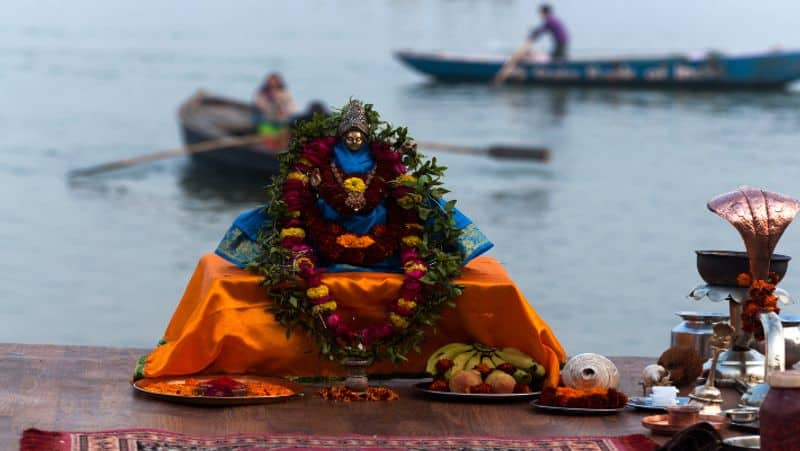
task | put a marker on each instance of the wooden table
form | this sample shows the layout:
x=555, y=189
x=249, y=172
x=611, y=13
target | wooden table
x=87, y=388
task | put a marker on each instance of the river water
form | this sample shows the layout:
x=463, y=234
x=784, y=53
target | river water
x=600, y=240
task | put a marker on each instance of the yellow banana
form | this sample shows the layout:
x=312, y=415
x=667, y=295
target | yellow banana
x=516, y=357
x=474, y=360
x=459, y=363
x=448, y=351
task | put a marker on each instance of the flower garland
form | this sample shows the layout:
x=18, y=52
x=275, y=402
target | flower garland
x=761, y=299
x=299, y=240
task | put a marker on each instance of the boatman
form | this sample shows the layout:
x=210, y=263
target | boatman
x=557, y=31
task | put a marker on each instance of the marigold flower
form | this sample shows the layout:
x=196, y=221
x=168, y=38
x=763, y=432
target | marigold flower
x=405, y=178
x=353, y=241
x=293, y=232
x=324, y=307
x=412, y=240
x=398, y=321
x=414, y=266
x=744, y=280
x=302, y=261
x=407, y=304
x=317, y=292
x=354, y=185
x=409, y=200
x=297, y=176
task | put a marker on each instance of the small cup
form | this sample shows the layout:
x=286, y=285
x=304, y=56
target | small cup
x=683, y=416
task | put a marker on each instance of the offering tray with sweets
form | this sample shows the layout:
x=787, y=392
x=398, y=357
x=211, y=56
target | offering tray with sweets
x=219, y=390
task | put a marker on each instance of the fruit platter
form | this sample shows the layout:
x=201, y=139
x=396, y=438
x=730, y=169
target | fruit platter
x=475, y=371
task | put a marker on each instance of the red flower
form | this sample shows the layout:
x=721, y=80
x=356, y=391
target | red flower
x=333, y=320
x=318, y=150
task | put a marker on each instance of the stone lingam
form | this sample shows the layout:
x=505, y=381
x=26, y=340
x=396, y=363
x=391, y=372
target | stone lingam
x=761, y=217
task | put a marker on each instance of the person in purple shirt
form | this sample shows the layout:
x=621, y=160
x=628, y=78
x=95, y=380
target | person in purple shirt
x=556, y=29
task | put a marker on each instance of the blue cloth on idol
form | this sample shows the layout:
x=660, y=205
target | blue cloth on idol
x=239, y=245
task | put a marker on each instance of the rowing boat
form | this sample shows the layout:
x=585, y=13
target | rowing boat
x=768, y=70
x=205, y=117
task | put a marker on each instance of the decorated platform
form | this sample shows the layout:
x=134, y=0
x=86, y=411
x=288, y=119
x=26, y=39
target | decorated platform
x=223, y=324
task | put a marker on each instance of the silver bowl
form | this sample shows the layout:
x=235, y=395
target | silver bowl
x=742, y=415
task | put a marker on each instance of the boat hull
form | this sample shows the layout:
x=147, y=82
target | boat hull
x=763, y=71
x=203, y=118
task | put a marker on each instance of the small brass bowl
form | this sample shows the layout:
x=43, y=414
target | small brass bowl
x=743, y=415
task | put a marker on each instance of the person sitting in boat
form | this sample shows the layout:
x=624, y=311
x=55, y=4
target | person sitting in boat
x=275, y=107
x=556, y=29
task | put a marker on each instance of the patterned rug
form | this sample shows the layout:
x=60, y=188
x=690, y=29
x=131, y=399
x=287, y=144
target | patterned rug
x=155, y=440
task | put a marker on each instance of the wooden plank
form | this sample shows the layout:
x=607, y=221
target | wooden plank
x=87, y=388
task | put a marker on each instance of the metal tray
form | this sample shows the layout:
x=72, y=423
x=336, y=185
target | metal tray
x=140, y=386
x=424, y=388
x=576, y=410
x=646, y=403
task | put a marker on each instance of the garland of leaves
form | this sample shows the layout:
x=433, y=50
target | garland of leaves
x=436, y=247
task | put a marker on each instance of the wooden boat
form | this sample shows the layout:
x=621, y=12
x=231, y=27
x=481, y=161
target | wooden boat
x=772, y=70
x=205, y=117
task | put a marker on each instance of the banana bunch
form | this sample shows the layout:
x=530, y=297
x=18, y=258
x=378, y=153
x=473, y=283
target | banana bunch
x=455, y=357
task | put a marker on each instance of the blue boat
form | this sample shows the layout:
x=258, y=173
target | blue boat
x=773, y=70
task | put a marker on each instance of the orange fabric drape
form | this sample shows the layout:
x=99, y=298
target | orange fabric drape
x=222, y=324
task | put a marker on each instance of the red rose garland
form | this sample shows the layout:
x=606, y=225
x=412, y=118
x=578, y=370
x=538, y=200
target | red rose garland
x=305, y=226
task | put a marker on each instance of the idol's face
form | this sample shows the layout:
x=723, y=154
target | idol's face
x=354, y=140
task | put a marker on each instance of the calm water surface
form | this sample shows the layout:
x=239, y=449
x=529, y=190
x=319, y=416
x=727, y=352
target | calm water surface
x=600, y=240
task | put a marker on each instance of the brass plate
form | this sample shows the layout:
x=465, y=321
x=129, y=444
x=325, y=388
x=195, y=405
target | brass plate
x=575, y=410
x=140, y=386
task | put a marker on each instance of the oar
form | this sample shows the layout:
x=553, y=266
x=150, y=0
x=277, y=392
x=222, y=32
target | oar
x=497, y=151
x=512, y=62
x=200, y=147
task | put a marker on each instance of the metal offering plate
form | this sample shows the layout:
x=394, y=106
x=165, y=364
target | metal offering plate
x=424, y=388
x=750, y=426
x=141, y=386
x=646, y=403
x=659, y=424
x=575, y=410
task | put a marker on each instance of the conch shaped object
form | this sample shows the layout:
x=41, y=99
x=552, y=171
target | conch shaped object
x=585, y=371
x=760, y=217
x=655, y=374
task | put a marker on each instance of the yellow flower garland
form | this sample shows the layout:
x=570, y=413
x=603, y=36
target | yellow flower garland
x=293, y=232
x=317, y=292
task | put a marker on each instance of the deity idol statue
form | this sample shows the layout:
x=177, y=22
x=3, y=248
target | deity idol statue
x=354, y=195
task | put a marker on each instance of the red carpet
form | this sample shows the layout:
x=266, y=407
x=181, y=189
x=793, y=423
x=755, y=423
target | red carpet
x=155, y=440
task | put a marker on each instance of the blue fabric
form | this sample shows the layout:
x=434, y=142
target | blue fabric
x=358, y=162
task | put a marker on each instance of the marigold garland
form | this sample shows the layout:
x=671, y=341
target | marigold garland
x=299, y=241
x=761, y=299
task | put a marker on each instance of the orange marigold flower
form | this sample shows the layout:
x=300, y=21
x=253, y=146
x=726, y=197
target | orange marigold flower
x=353, y=241
x=744, y=280
x=751, y=308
